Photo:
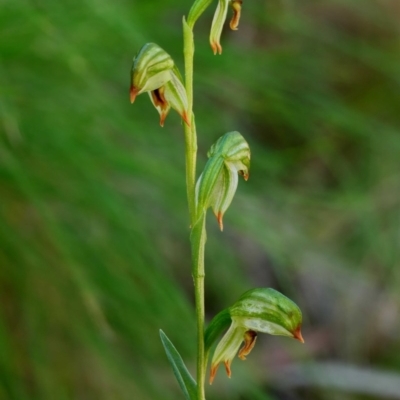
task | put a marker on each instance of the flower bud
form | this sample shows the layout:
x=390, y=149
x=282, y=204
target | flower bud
x=217, y=184
x=258, y=310
x=219, y=20
x=154, y=71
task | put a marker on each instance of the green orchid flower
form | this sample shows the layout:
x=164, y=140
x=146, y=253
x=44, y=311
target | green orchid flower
x=217, y=185
x=258, y=310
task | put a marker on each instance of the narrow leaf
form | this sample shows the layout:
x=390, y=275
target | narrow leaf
x=185, y=380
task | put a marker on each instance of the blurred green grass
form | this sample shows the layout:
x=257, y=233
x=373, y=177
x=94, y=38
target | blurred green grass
x=94, y=255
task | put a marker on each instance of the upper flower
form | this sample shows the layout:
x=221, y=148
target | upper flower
x=258, y=310
x=154, y=71
x=219, y=20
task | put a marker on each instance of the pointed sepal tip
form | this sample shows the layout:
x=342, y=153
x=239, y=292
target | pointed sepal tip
x=297, y=334
x=133, y=92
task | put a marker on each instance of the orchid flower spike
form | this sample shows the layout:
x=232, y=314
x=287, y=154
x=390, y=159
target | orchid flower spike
x=258, y=310
x=154, y=71
x=217, y=184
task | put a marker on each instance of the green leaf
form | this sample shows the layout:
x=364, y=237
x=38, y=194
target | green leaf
x=217, y=326
x=185, y=380
x=197, y=9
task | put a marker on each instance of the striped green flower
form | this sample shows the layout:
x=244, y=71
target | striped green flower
x=258, y=310
x=217, y=184
x=219, y=21
x=154, y=71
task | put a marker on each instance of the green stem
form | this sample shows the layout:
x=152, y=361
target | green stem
x=198, y=240
x=198, y=233
x=190, y=132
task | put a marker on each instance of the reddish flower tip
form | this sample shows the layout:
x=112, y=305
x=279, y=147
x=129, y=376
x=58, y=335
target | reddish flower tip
x=228, y=368
x=185, y=117
x=214, y=368
x=163, y=115
x=213, y=372
x=216, y=48
x=219, y=219
x=133, y=93
x=245, y=175
x=297, y=334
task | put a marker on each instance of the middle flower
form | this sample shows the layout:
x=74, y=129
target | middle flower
x=215, y=188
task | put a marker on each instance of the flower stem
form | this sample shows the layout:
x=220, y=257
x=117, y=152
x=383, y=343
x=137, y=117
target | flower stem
x=198, y=233
x=190, y=132
x=198, y=241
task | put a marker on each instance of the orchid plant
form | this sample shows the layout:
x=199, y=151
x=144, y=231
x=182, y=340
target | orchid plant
x=257, y=310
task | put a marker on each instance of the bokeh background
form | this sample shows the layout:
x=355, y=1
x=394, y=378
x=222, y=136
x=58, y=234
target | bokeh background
x=94, y=251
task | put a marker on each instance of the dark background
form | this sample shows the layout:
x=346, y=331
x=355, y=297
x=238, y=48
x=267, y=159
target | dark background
x=94, y=251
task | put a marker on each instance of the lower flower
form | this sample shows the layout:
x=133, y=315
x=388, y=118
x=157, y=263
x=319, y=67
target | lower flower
x=258, y=310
